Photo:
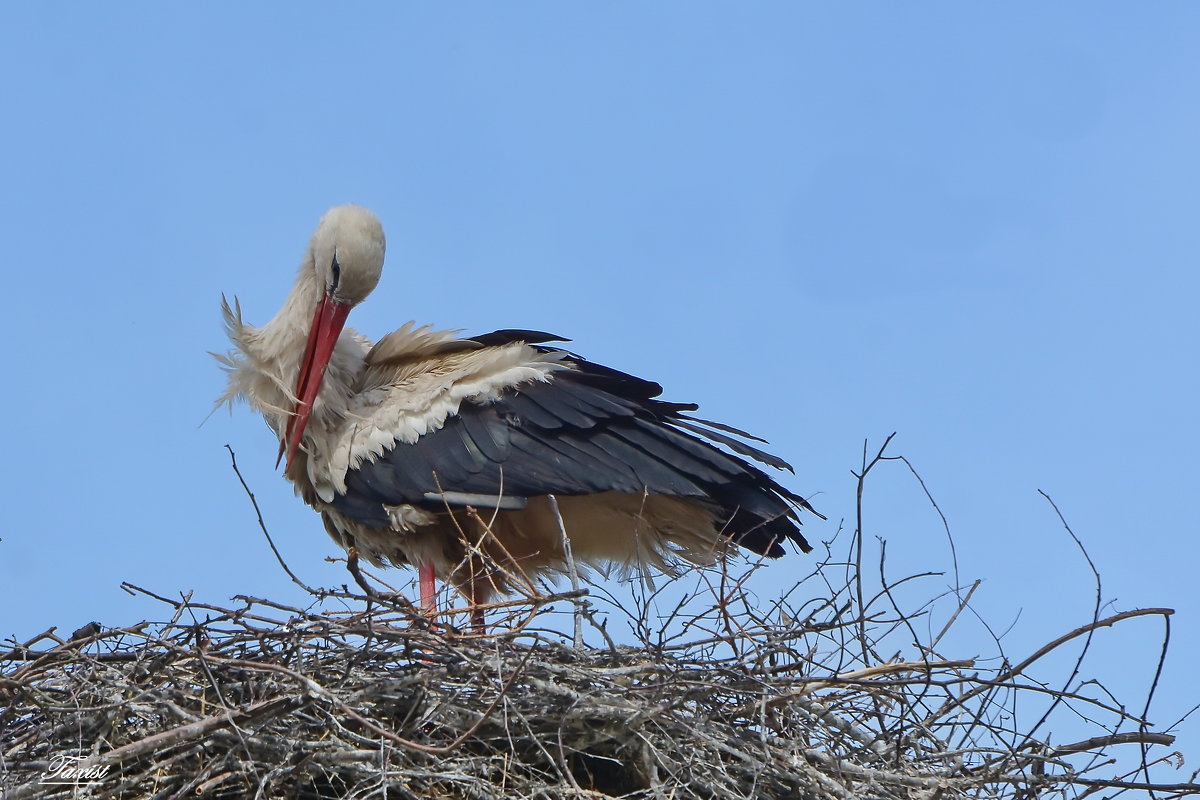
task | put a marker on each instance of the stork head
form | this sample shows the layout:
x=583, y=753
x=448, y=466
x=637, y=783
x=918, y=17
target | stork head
x=345, y=258
x=347, y=253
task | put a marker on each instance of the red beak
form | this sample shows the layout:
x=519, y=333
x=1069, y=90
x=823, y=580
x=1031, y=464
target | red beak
x=327, y=325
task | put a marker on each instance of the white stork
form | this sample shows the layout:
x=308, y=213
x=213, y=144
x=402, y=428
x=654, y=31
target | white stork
x=392, y=442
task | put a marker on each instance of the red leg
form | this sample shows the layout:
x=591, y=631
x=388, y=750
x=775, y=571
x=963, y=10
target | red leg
x=428, y=587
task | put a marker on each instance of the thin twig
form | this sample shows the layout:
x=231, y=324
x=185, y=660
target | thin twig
x=262, y=525
x=570, y=559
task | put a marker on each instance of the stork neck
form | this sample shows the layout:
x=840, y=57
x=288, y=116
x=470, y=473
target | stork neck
x=284, y=336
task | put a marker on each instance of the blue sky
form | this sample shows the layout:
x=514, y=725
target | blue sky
x=974, y=225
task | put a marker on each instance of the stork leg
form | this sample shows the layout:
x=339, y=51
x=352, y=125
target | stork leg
x=477, y=623
x=476, y=594
x=428, y=586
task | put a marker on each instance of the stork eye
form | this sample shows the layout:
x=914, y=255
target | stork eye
x=337, y=273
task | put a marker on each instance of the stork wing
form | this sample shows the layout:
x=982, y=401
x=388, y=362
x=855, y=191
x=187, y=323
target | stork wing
x=586, y=430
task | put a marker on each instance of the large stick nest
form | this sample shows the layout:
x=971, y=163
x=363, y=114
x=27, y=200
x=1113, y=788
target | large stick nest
x=262, y=700
x=713, y=694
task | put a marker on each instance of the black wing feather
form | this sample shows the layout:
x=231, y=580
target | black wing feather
x=670, y=454
x=524, y=411
x=489, y=431
x=655, y=475
x=463, y=462
x=741, y=448
x=588, y=400
x=511, y=335
x=560, y=405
